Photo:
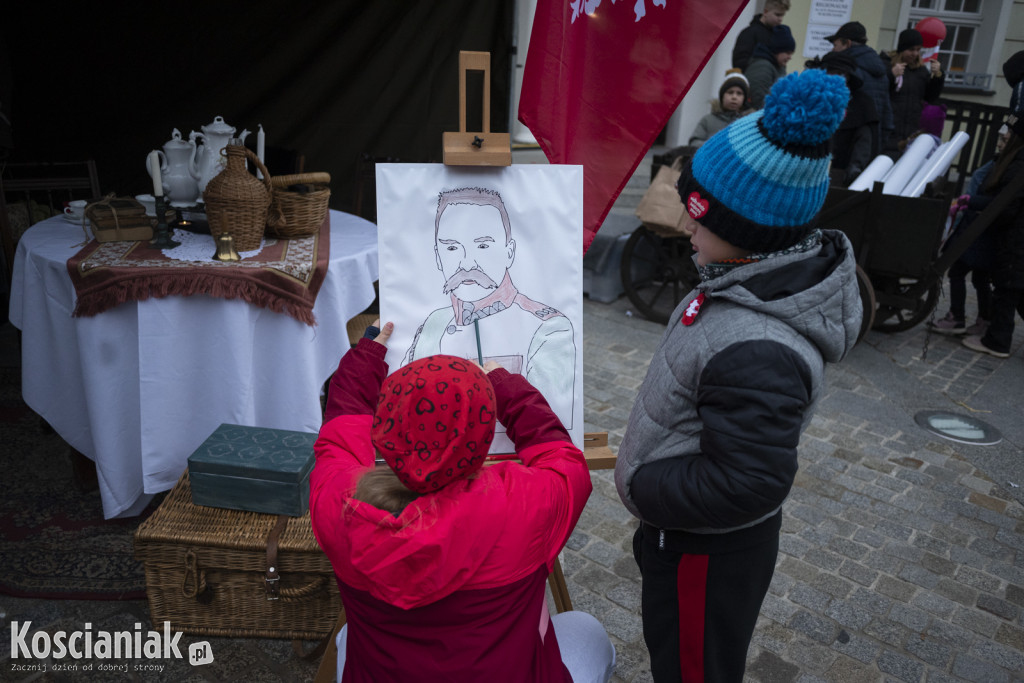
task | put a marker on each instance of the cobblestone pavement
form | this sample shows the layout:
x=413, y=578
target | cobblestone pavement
x=902, y=554
x=902, y=557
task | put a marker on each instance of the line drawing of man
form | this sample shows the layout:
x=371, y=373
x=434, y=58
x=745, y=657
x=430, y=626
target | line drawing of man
x=474, y=249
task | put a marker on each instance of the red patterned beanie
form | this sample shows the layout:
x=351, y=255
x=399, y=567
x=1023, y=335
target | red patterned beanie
x=435, y=421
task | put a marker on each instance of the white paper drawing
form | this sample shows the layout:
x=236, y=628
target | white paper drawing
x=486, y=263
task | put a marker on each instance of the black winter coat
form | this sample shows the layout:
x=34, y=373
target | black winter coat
x=918, y=87
x=1007, y=231
x=872, y=72
x=747, y=40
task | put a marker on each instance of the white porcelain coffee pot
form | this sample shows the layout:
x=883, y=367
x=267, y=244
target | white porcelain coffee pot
x=178, y=171
x=209, y=161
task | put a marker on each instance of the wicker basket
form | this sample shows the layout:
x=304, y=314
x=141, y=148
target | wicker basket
x=302, y=213
x=205, y=572
x=236, y=202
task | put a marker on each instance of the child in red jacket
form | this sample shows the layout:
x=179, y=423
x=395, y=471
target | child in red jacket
x=441, y=562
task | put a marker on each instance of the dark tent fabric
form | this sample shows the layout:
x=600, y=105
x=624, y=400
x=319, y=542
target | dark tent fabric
x=330, y=80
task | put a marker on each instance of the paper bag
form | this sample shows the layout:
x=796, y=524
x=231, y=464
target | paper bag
x=660, y=209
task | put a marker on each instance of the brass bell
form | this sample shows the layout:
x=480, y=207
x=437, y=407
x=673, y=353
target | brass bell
x=226, y=249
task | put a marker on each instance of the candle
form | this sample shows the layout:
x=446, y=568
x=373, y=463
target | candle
x=154, y=170
x=260, y=146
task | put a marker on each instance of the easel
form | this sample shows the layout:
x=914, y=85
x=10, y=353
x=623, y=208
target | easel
x=484, y=148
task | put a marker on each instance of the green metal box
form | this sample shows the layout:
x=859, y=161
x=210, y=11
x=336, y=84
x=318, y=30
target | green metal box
x=253, y=469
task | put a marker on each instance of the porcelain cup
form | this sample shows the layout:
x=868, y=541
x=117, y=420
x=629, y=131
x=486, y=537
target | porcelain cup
x=148, y=201
x=76, y=209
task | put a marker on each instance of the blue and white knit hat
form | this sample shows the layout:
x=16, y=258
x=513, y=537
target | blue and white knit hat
x=759, y=182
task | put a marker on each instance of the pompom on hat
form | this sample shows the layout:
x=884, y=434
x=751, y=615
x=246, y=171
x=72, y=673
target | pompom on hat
x=435, y=421
x=759, y=182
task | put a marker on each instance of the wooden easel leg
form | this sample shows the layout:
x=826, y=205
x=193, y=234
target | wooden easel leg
x=328, y=671
x=559, y=591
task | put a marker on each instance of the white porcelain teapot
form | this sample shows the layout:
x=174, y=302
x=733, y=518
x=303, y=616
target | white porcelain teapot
x=214, y=137
x=178, y=171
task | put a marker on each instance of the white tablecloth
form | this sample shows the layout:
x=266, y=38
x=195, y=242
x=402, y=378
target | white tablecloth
x=139, y=387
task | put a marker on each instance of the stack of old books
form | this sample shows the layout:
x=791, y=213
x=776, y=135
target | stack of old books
x=120, y=219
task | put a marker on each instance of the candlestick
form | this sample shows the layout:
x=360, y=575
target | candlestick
x=260, y=145
x=162, y=235
x=154, y=170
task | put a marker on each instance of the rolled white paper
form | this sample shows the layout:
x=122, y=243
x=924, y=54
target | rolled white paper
x=909, y=164
x=876, y=170
x=937, y=164
x=260, y=145
x=154, y=170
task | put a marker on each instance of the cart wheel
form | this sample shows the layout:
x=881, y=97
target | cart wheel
x=906, y=314
x=657, y=272
x=867, y=300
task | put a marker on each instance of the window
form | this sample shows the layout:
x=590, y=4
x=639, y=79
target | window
x=971, y=37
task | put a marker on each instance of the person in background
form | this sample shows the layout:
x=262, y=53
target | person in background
x=759, y=31
x=977, y=258
x=1013, y=70
x=931, y=123
x=768, y=64
x=710, y=449
x=852, y=38
x=442, y=563
x=1007, y=234
x=912, y=85
x=854, y=144
x=730, y=105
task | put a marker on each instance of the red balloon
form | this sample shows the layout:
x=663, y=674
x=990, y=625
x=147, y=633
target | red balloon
x=932, y=30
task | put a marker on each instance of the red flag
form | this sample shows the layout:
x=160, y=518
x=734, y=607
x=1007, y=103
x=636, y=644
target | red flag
x=603, y=77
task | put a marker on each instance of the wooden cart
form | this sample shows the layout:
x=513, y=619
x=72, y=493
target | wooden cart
x=898, y=243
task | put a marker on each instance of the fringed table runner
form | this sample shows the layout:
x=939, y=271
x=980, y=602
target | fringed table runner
x=284, y=277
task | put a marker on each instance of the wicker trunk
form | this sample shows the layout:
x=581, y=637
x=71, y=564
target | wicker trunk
x=207, y=568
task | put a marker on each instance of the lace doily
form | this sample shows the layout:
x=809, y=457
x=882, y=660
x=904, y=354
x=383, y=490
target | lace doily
x=196, y=247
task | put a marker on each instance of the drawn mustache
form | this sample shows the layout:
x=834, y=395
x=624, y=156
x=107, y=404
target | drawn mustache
x=474, y=275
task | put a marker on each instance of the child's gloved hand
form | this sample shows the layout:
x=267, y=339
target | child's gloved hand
x=958, y=205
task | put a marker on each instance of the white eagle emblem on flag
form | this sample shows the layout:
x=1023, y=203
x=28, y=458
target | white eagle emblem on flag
x=590, y=6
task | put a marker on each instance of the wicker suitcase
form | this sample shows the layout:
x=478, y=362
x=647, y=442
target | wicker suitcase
x=207, y=572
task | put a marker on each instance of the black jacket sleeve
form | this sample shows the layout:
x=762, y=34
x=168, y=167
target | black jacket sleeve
x=752, y=400
x=746, y=41
x=933, y=88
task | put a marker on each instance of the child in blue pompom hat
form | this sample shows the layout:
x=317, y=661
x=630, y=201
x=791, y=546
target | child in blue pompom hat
x=710, y=451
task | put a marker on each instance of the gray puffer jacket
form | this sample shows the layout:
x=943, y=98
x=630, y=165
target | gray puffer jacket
x=711, y=444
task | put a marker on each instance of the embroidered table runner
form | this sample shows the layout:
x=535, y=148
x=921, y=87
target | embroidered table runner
x=285, y=276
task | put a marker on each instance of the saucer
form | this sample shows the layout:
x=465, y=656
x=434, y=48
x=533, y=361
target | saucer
x=72, y=219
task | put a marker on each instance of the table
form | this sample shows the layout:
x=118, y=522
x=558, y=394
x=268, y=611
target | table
x=139, y=387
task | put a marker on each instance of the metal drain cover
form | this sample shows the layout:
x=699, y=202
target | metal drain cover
x=959, y=428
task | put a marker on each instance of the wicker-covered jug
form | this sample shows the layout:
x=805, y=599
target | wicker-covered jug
x=236, y=202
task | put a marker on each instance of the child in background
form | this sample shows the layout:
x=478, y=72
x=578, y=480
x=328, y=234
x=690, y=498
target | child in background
x=932, y=122
x=976, y=260
x=442, y=563
x=731, y=104
x=768, y=64
x=1007, y=235
x=759, y=31
x=710, y=450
